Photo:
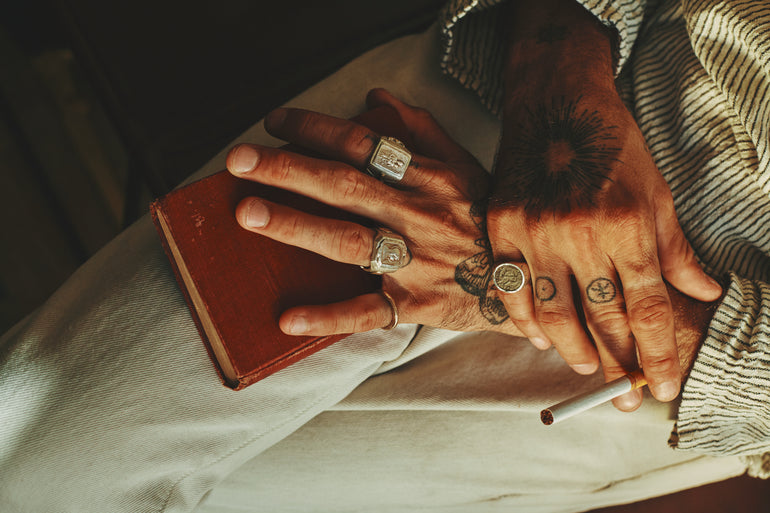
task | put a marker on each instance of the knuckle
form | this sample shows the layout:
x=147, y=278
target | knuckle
x=306, y=121
x=629, y=224
x=446, y=181
x=449, y=222
x=610, y=322
x=524, y=323
x=348, y=186
x=554, y=317
x=580, y=220
x=522, y=318
x=367, y=318
x=504, y=223
x=613, y=369
x=352, y=242
x=579, y=230
x=279, y=169
x=357, y=140
x=292, y=228
x=496, y=219
x=652, y=313
x=539, y=235
x=660, y=365
x=422, y=116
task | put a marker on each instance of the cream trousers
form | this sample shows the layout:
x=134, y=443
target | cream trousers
x=108, y=401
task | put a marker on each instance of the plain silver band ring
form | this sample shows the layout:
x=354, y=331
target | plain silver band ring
x=394, y=322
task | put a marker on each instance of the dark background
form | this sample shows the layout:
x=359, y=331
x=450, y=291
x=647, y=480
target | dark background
x=106, y=105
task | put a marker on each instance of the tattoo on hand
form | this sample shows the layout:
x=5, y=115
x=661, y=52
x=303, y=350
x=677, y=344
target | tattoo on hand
x=551, y=33
x=474, y=274
x=601, y=290
x=560, y=160
x=545, y=289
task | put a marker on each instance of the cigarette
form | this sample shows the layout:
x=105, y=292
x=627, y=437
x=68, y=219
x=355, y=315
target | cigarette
x=583, y=402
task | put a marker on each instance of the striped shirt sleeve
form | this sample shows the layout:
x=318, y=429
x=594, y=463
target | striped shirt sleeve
x=725, y=405
x=699, y=87
x=472, y=40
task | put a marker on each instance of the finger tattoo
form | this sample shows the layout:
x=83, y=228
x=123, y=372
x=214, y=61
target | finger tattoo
x=545, y=289
x=474, y=274
x=601, y=290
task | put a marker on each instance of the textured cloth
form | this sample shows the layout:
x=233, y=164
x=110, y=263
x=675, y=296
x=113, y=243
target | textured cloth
x=108, y=401
x=698, y=84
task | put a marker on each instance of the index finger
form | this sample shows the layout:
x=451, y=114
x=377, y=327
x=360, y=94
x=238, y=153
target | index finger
x=338, y=139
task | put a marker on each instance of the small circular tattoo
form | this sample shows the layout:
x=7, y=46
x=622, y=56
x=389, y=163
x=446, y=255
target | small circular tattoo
x=545, y=290
x=601, y=290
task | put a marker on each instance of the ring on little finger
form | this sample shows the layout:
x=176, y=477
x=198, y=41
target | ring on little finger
x=389, y=160
x=510, y=277
x=389, y=252
x=394, y=321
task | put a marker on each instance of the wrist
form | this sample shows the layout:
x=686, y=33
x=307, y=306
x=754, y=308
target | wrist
x=692, y=319
x=555, y=48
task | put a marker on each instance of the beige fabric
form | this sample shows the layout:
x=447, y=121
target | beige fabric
x=108, y=402
x=452, y=424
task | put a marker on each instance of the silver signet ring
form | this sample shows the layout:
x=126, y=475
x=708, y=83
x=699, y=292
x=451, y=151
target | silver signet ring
x=389, y=252
x=389, y=160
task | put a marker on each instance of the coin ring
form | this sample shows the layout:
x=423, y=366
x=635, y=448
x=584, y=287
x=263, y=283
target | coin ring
x=509, y=278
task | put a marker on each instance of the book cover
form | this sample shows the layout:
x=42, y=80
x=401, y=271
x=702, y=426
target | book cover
x=237, y=283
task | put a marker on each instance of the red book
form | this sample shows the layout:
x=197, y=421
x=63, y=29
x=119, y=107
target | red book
x=237, y=283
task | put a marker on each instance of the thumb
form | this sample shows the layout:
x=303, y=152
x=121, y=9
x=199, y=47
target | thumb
x=677, y=258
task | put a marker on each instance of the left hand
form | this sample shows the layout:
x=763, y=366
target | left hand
x=438, y=208
x=579, y=197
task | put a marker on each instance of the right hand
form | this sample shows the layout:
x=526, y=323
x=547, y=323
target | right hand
x=579, y=197
x=438, y=208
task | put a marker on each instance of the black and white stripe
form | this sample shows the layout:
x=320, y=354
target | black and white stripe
x=698, y=83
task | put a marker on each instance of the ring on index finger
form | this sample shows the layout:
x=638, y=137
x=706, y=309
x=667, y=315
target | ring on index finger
x=389, y=252
x=389, y=160
x=510, y=277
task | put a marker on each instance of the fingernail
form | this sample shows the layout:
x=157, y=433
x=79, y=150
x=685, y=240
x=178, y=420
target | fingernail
x=628, y=401
x=715, y=284
x=257, y=214
x=540, y=343
x=584, y=368
x=298, y=325
x=666, y=391
x=275, y=118
x=244, y=159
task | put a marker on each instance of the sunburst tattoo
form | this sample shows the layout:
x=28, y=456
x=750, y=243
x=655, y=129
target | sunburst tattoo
x=561, y=159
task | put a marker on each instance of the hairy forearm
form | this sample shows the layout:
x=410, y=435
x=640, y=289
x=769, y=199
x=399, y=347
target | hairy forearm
x=555, y=44
x=692, y=319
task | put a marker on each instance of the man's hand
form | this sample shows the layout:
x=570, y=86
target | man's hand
x=578, y=196
x=438, y=207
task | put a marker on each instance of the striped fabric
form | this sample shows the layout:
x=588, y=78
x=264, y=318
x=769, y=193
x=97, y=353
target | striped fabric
x=698, y=83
